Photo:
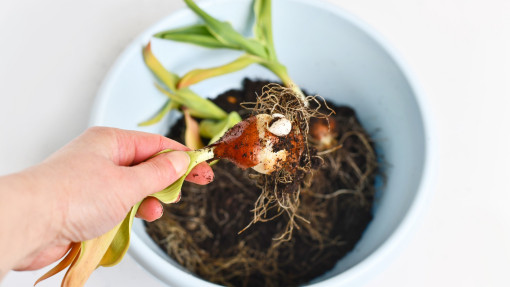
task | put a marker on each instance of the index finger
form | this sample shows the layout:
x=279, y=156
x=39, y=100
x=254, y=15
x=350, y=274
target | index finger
x=134, y=147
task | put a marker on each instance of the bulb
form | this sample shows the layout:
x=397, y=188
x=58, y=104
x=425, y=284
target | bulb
x=263, y=142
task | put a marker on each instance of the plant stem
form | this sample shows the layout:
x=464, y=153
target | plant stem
x=202, y=154
x=281, y=71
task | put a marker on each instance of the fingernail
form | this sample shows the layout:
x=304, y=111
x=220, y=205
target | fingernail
x=180, y=160
x=160, y=211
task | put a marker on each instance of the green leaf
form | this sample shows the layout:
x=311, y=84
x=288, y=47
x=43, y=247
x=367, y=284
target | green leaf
x=198, y=106
x=172, y=193
x=198, y=75
x=209, y=128
x=165, y=109
x=226, y=34
x=169, y=79
x=263, y=26
x=215, y=129
x=196, y=34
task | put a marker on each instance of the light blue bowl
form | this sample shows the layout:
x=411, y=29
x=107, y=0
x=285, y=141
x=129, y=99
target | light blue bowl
x=327, y=52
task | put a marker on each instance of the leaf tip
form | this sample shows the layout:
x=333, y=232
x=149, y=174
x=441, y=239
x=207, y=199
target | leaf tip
x=178, y=198
x=146, y=50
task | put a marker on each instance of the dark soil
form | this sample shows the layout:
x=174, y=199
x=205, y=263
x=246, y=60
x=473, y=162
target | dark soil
x=201, y=231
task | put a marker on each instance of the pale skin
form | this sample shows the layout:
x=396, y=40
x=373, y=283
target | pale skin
x=84, y=190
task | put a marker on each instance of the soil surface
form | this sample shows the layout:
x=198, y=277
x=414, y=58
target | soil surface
x=201, y=232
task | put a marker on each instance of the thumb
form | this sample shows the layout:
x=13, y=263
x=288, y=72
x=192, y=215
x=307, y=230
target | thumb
x=159, y=172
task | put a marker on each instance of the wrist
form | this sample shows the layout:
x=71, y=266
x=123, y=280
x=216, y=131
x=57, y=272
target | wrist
x=28, y=210
x=45, y=203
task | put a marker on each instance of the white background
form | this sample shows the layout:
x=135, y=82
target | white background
x=55, y=53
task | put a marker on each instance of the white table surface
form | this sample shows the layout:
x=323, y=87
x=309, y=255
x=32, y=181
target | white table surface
x=55, y=53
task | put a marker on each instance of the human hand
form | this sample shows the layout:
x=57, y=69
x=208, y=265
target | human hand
x=90, y=185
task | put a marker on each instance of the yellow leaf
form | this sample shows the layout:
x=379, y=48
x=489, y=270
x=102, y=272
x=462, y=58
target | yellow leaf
x=92, y=251
x=168, y=78
x=215, y=129
x=198, y=106
x=120, y=242
x=167, y=107
x=198, y=75
x=71, y=255
x=191, y=135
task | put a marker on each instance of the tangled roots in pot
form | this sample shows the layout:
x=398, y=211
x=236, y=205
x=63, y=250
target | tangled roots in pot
x=335, y=197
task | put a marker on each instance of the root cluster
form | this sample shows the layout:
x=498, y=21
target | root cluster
x=280, y=191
